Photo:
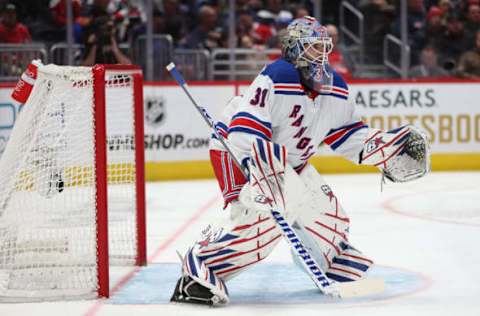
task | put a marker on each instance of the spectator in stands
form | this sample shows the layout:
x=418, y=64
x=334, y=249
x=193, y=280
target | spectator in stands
x=436, y=16
x=101, y=45
x=274, y=6
x=12, y=31
x=435, y=26
x=469, y=64
x=89, y=13
x=158, y=23
x=45, y=19
x=336, y=58
x=175, y=19
x=30, y=11
x=428, y=67
x=379, y=15
x=436, y=20
x=169, y=17
x=244, y=29
x=58, y=9
x=452, y=43
x=445, y=6
x=330, y=11
x=472, y=24
x=208, y=34
x=241, y=6
x=300, y=12
x=57, y=20
x=416, y=27
x=127, y=17
x=263, y=28
x=282, y=20
x=252, y=6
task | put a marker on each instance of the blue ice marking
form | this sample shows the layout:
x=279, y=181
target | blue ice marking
x=267, y=283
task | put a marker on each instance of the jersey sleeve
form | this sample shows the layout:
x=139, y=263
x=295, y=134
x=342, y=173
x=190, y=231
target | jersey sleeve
x=221, y=126
x=252, y=117
x=348, y=133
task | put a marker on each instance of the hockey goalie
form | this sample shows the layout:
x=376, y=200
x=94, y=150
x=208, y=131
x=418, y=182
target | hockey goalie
x=295, y=104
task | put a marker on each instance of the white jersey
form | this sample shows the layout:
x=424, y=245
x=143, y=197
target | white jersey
x=276, y=107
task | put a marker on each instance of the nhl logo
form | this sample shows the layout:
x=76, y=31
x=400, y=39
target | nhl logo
x=155, y=111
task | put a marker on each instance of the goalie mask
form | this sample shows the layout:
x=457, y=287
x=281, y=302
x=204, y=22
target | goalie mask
x=307, y=45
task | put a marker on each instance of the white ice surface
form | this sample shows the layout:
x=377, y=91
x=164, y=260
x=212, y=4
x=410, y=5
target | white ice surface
x=429, y=229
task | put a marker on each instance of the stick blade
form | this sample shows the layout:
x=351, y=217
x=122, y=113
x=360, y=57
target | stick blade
x=362, y=287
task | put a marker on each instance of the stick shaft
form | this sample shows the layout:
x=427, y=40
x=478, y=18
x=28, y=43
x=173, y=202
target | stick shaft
x=207, y=118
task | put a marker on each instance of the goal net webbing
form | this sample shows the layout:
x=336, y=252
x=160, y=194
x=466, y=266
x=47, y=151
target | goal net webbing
x=48, y=190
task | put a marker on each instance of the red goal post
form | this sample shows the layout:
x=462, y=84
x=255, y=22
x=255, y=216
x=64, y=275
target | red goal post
x=72, y=192
x=101, y=82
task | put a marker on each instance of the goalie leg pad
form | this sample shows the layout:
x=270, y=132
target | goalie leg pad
x=223, y=252
x=349, y=265
x=323, y=226
x=245, y=240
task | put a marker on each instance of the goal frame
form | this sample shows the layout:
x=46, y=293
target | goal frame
x=99, y=107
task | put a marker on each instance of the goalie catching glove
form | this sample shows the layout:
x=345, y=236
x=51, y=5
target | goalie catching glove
x=403, y=154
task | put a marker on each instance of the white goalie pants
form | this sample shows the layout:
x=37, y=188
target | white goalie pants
x=249, y=236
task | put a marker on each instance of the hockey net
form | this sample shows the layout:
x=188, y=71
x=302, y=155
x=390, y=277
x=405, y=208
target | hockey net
x=74, y=159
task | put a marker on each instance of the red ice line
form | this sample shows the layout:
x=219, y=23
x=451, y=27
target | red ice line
x=99, y=303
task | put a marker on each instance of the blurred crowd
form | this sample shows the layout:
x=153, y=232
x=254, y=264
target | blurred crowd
x=444, y=35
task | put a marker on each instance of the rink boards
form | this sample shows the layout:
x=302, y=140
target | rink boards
x=176, y=138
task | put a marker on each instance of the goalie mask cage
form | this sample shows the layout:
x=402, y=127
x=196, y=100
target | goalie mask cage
x=72, y=184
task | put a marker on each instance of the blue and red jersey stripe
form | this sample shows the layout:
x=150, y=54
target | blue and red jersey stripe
x=338, y=136
x=288, y=89
x=248, y=123
x=335, y=91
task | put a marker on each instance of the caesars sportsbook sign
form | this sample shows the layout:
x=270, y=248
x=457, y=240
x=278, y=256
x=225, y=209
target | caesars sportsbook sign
x=174, y=131
x=448, y=112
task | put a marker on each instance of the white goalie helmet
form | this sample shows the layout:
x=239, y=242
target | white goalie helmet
x=307, y=44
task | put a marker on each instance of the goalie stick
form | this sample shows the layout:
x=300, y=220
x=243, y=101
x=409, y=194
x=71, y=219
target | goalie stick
x=325, y=285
